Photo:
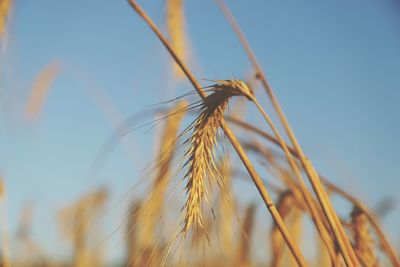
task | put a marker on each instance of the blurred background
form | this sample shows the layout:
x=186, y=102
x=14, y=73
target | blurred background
x=334, y=65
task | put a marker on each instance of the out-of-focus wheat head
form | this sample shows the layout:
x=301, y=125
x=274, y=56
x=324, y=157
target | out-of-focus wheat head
x=363, y=241
x=201, y=147
x=239, y=108
x=176, y=31
x=151, y=211
x=227, y=210
x=5, y=6
x=284, y=206
x=130, y=233
x=24, y=226
x=244, y=247
x=322, y=258
x=40, y=89
x=77, y=220
x=295, y=225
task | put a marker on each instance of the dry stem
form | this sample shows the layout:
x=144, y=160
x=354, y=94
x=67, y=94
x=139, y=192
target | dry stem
x=233, y=140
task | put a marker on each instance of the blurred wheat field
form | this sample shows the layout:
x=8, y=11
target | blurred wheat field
x=189, y=206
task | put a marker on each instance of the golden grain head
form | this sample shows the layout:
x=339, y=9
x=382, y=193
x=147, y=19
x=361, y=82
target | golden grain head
x=201, y=146
x=234, y=87
x=247, y=233
x=201, y=161
x=152, y=207
x=226, y=207
x=284, y=206
x=363, y=241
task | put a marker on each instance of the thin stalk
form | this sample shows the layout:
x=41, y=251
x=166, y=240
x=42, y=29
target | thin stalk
x=231, y=137
x=306, y=195
x=307, y=165
x=386, y=245
x=298, y=195
x=265, y=195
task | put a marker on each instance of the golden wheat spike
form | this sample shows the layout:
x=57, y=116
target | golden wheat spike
x=284, y=207
x=228, y=133
x=244, y=249
x=176, y=31
x=201, y=147
x=40, y=89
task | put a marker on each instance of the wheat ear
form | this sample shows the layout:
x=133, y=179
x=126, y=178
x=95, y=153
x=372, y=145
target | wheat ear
x=231, y=137
x=327, y=207
x=40, y=89
x=201, y=146
x=246, y=236
x=151, y=210
x=227, y=209
x=363, y=242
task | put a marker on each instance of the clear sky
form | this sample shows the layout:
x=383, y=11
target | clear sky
x=335, y=66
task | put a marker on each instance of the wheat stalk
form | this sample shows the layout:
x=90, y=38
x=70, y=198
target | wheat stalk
x=76, y=222
x=302, y=197
x=227, y=209
x=229, y=134
x=284, y=206
x=385, y=243
x=312, y=206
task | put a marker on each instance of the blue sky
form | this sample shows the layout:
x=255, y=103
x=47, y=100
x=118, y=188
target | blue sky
x=335, y=66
